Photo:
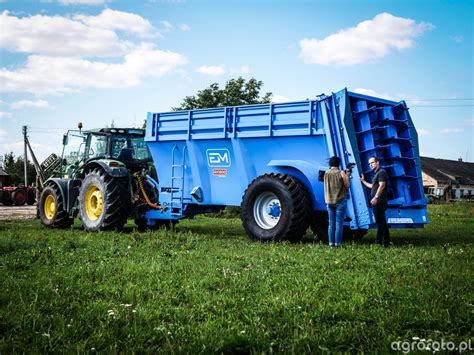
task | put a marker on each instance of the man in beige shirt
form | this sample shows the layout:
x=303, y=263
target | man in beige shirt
x=336, y=184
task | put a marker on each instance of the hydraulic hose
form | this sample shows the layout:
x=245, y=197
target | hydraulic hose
x=147, y=199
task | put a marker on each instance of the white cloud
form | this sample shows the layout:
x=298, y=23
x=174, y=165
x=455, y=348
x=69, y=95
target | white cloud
x=3, y=133
x=82, y=2
x=72, y=37
x=422, y=132
x=451, y=130
x=185, y=28
x=6, y=115
x=167, y=26
x=211, y=70
x=280, y=98
x=118, y=20
x=55, y=75
x=27, y=103
x=366, y=42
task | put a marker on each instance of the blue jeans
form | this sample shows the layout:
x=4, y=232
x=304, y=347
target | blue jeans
x=337, y=213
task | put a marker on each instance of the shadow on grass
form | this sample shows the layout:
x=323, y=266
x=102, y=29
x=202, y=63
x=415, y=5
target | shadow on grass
x=401, y=238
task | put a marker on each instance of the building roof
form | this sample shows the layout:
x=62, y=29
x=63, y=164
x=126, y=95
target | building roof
x=3, y=173
x=447, y=171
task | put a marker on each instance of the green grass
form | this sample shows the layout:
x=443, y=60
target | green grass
x=206, y=287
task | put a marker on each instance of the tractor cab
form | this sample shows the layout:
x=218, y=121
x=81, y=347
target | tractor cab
x=125, y=145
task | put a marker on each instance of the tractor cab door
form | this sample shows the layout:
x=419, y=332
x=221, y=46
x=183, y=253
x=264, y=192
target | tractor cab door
x=74, y=144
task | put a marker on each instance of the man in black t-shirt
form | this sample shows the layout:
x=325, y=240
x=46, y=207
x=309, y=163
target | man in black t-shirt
x=378, y=195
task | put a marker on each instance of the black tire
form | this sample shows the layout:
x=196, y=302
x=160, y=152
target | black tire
x=59, y=218
x=20, y=196
x=292, y=208
x=113, y=197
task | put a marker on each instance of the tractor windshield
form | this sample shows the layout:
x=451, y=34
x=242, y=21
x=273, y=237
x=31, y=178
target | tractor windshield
x=129, y=148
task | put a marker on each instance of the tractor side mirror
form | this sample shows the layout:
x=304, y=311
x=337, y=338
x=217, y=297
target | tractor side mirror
x=65, y=139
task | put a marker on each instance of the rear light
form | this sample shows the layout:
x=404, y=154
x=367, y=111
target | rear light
x=113, y=163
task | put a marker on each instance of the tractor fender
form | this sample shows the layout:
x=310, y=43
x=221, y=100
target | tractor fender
x=69, y=190
x=304, y=171
x=114, y=171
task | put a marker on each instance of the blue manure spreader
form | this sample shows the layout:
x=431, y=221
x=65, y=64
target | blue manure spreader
x=270, y=160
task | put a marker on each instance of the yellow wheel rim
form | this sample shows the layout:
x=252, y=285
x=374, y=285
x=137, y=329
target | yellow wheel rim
x=49, y=207
x=93, y=203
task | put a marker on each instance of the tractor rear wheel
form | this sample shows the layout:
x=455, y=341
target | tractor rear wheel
x=104, y=201
x=52, y=210
x=20, y=196
x=275, y=207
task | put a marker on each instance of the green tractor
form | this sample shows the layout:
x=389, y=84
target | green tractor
x=101, y=177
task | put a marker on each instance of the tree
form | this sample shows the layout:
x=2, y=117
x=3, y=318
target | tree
x=236, y=92
x=15, y=168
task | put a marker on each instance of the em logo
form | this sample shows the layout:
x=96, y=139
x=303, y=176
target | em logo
x=218, y=158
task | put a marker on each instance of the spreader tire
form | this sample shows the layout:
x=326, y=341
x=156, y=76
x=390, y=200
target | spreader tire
x=104, y=201
x=275, y=207
x=52, y=210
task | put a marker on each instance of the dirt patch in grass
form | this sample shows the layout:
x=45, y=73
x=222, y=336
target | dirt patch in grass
x=16, y=212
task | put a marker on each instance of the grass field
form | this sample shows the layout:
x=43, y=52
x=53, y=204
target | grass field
x=206, y=287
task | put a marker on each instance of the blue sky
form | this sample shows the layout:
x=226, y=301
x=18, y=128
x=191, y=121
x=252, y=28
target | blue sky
x=64, y=61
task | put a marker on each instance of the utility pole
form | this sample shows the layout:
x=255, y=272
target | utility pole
x=25, y=140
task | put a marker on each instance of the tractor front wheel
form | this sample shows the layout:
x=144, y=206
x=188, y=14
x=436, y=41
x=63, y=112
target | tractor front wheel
x=52, y=210
x=104, y=201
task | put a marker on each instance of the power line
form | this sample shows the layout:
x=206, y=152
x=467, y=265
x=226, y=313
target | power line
x=456, y=99
x=441, y=105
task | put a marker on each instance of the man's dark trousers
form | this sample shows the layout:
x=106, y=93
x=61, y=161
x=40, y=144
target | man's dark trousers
x=383, y=235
